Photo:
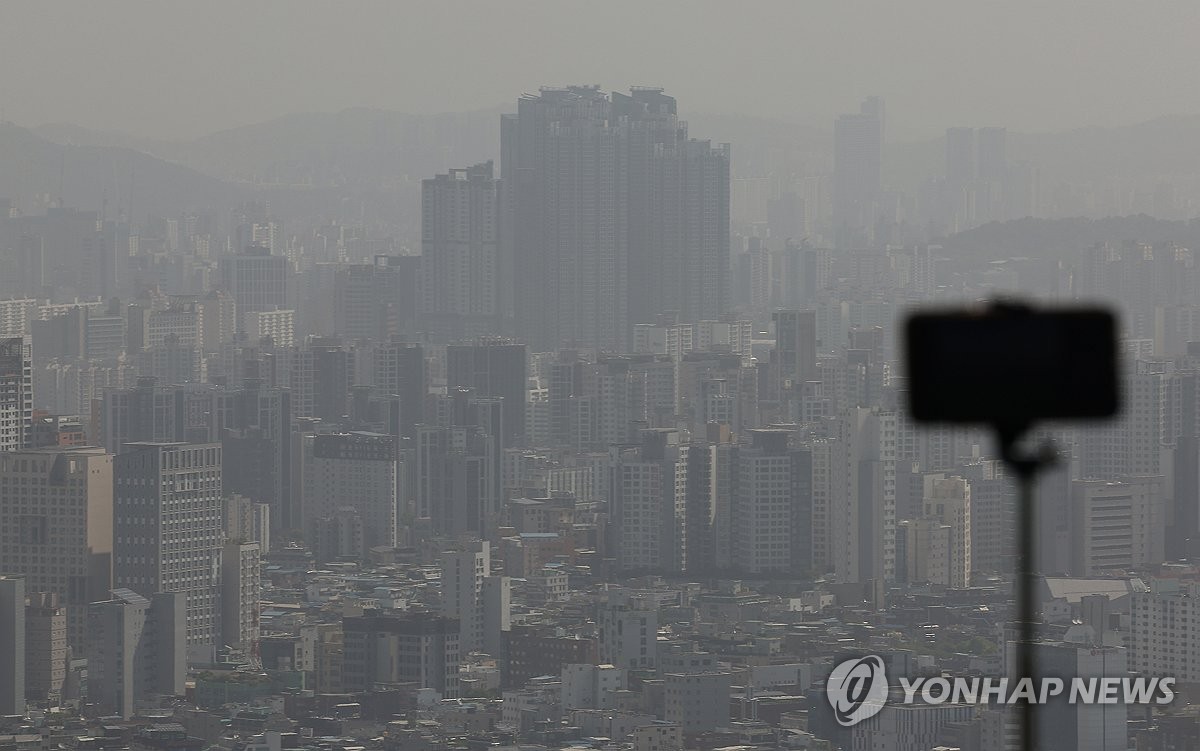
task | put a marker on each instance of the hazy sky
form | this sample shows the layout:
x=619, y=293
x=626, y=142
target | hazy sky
x=181, y=69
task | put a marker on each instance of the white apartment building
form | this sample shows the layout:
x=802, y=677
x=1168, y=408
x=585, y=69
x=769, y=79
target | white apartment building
x=1164, y=638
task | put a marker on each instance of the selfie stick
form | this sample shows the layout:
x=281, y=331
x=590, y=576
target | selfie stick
x=1025, y=467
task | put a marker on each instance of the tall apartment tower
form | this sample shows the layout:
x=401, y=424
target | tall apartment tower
x=862, y=513
x=648, y=501
x=795, y=347
x=455, y=475
x=961, y=172
x=256, y=280
x=992, y=196
x=948, y=501
x=771, y=518
x=57, y=507
x=16, y=392
x=961, y=164
x=168, y=517
x=460, y=259
x=857, y=161
x=612, y=215
x=1163, y=638
x=399, y=370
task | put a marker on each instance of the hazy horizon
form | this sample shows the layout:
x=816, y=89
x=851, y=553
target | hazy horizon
x=182, y=71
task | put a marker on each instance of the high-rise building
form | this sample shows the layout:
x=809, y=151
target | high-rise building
x=16, y=392
x=456, y=479
x=219, y=312
x=993, y=512
x=961, y=173
x=992, y=196
x=1076, y=725
x=493, y=367
x=948, y=501
x=168, y=508
x=862, y=510
x=68, y=248
x=795, y=348
x=1131, y=444
x=648, y=502
x=149, y=411
x=254, y=227
x=355, y=470
x=17, y=315
x=1116, y=526
x=257, y=454
x=319, y=376
x=240, y=590
x=399, y=369
x=460, y=259
x=857, y=162
x=136, y=649
x=58, y=532
x=1164, y=631
x=609, y=401
x=256, y=279
x=279, y=325
x=771, y=517
x=497, y=613
x=246, y=520
x=12, y=646
x=993, y=154
x=612, y=215
x=375, y=300
x=45, y=647
x=923, y=551
x=478, y=601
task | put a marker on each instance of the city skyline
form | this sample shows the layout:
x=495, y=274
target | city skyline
x=590, y=422
x=987, y=82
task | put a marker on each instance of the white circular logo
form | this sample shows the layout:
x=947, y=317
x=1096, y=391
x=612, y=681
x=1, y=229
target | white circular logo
x=857, y=689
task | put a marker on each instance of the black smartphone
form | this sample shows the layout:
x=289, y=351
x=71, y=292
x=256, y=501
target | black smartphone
x=1012, y=364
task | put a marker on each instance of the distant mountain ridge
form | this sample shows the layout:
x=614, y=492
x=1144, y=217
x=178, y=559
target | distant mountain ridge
x=365, y=165
x=373, y=146
x=102, y=177
x=353, y=147
x=1063, y=239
